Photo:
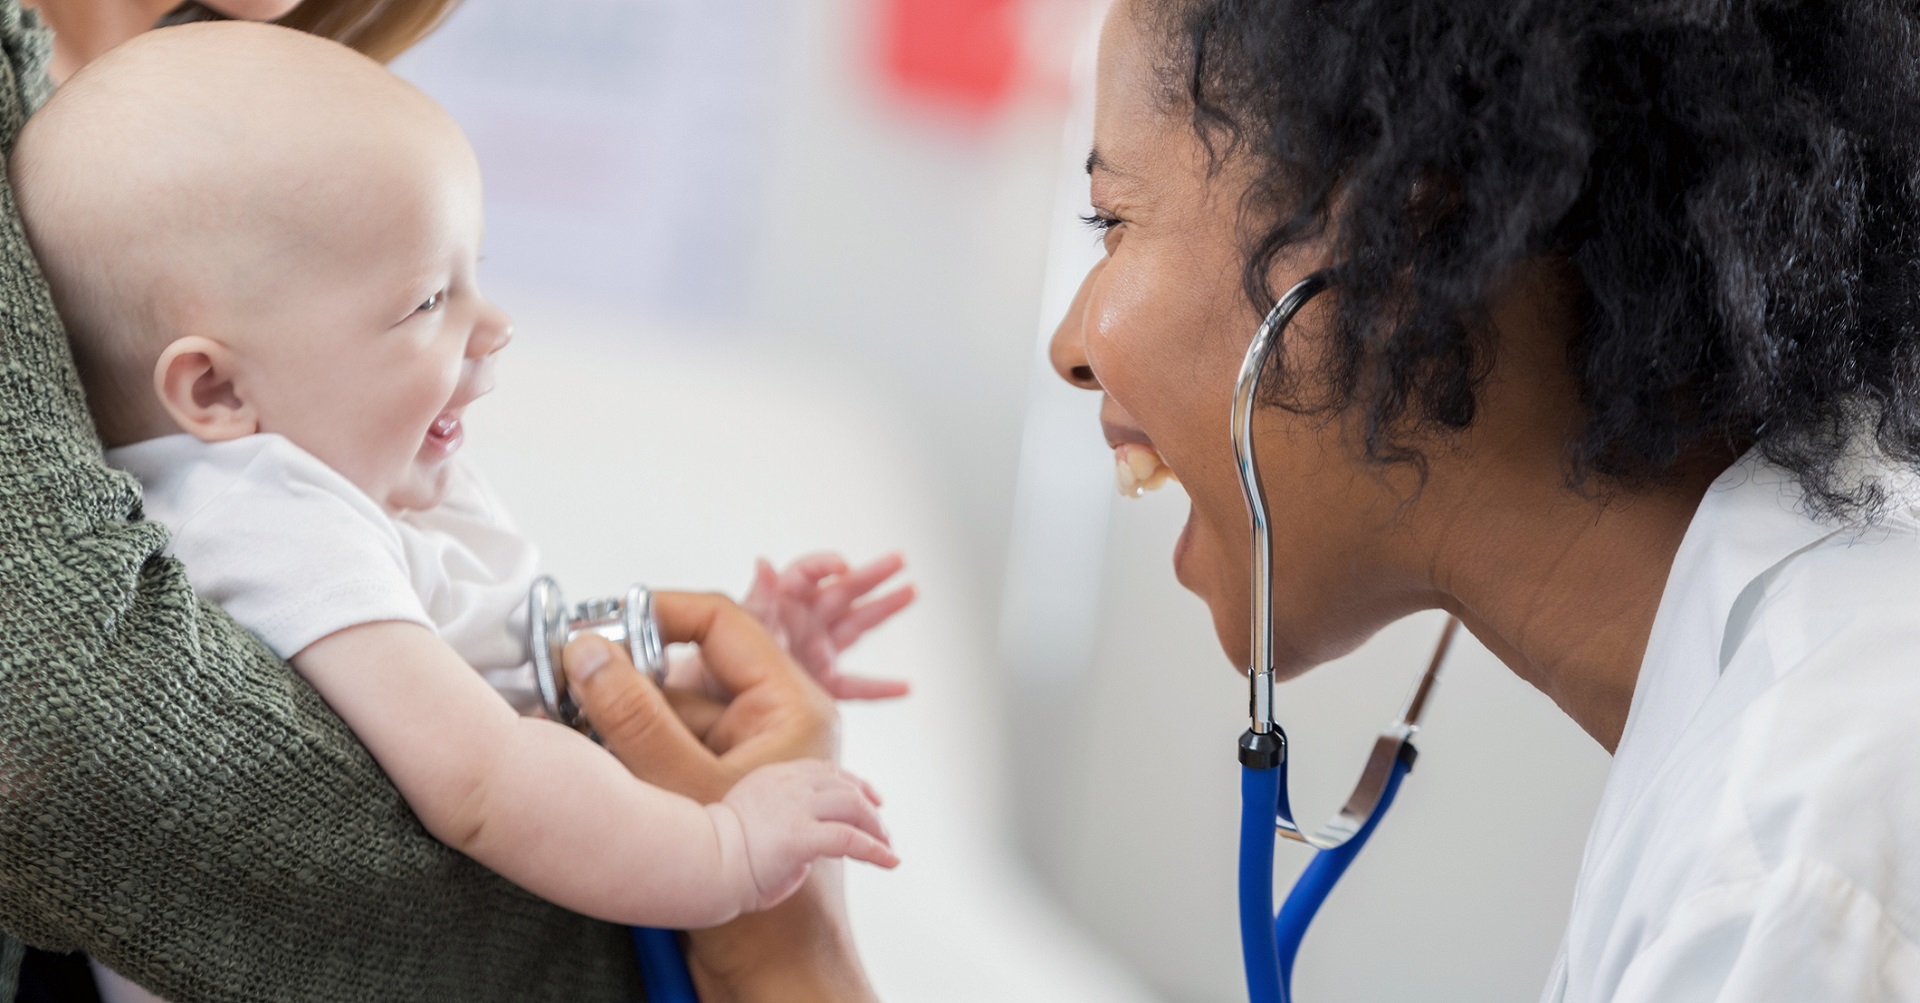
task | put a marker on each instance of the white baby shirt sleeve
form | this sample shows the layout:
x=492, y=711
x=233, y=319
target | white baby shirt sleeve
x=471, y=570
x=291, y=549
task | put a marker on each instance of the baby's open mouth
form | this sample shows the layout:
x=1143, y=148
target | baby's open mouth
x=445, y=431
x=1138, y=469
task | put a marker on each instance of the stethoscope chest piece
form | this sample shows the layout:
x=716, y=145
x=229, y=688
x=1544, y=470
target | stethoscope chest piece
x=551, y=624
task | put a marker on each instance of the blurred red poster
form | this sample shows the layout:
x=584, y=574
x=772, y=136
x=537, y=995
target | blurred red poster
x=964, y=53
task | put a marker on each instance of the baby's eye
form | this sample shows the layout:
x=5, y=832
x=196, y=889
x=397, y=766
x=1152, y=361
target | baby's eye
x=432, y=303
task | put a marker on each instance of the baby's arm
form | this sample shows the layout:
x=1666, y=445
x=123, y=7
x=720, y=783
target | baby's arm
x=553, y=813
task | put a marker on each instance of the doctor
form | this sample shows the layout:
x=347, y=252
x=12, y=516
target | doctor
x=1621, y=366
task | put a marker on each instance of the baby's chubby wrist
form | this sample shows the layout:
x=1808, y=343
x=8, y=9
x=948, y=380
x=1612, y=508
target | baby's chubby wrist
x=735, y=863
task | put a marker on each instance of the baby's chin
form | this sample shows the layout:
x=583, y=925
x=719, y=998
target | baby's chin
x=424, y=486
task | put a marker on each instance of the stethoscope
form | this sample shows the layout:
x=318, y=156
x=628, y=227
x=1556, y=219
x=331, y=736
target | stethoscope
x=1269, y=941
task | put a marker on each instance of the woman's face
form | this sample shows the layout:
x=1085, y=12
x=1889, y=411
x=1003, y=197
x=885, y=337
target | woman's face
x=253, y=10
x=1160, y=327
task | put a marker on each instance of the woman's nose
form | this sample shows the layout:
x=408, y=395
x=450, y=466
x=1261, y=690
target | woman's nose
x=491, y=332
x=1068, y=350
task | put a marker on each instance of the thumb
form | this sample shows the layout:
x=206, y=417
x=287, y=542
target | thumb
x=763, y=596
x=635, y=722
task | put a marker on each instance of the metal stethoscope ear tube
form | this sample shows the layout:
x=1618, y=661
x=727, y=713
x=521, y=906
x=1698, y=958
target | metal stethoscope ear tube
x=1269, y=942
x=551, y=623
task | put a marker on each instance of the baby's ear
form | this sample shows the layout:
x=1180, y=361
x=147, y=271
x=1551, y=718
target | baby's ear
x=195, y=381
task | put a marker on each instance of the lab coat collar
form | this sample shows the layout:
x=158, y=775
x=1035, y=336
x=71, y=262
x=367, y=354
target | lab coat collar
x=1752, y=518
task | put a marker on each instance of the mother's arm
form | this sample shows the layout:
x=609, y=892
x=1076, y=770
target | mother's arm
x=173, y=799
x=801, y=951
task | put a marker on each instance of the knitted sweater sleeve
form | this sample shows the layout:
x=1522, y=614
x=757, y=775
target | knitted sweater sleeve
x=173, y=799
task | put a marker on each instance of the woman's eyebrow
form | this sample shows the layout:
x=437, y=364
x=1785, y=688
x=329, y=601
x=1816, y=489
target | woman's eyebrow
x=1096, y=161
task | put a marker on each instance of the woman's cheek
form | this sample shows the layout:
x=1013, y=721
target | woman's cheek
x=1119, y=318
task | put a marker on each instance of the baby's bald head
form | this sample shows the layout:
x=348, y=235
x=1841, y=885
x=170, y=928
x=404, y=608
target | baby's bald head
x=186, y=181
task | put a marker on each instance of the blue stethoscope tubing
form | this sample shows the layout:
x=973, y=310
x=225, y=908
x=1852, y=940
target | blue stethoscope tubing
x=663, y=969
x=1270, y=941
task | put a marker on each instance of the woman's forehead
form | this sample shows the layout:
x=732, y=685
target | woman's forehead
x=1125, y=91
x=1140, y=136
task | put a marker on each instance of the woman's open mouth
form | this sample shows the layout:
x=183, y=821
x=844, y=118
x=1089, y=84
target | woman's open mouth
x=1138, y=469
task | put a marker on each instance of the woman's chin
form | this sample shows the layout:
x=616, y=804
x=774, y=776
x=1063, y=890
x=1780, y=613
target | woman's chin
x=1181, y=548
x=1193, y=571
x=1231, y=631
x=1197, y=575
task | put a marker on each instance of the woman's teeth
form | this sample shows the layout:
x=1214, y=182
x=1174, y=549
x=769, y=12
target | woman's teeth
x=1138, y=469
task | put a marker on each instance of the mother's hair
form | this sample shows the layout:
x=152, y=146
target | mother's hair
x=380, y=29
x=1735, y=184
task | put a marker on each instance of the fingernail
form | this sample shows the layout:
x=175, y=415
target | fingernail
x=588, y=658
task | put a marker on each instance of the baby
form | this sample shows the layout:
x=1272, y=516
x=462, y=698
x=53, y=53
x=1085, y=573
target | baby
x=263, y=246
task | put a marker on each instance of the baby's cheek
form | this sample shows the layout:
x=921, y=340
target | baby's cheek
x=425, y=396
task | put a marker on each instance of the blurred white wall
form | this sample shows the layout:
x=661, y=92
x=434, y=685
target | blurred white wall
x=763, y=308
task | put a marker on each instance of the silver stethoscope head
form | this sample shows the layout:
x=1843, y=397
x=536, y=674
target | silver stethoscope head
x=1393, y=741
x=551, y=624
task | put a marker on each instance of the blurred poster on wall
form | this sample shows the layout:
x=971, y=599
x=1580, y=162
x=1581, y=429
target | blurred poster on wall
x=624, y=142
x=966, y=53
x=973, y=59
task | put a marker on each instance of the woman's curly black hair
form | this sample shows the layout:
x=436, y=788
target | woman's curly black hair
x=1734, y=183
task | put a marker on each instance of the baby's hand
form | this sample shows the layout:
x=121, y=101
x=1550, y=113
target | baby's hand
x=811, y=607
x=794, y=813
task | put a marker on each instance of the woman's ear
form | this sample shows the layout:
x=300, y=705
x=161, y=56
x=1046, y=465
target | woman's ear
x=195, y=379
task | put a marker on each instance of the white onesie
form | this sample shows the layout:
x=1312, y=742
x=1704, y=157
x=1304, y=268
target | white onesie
x=295, y=552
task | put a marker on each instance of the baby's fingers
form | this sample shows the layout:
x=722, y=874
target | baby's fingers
x=844, y=687
x=807, y=572
x=865, y=788
x=763, y=596
x=851, y=803
x=851, y=585
x=857, y=621
x=837, y=839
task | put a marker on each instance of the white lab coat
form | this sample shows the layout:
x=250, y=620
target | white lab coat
x=1759, y=835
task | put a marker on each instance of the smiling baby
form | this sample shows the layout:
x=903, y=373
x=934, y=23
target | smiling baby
x=263, y=246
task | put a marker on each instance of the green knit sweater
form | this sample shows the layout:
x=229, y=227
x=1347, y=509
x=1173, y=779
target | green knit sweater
x=174, y=800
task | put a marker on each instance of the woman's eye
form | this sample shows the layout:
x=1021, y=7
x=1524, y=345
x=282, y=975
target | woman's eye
x=1099, y=222
x=1108, y=228
x=431, y=303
